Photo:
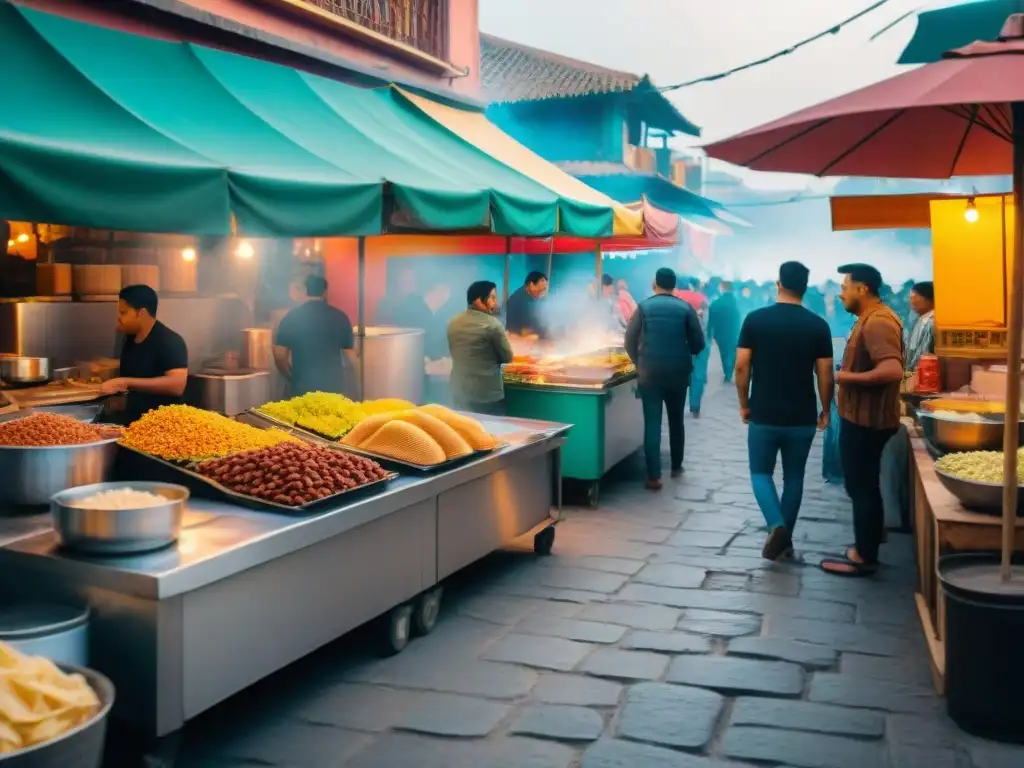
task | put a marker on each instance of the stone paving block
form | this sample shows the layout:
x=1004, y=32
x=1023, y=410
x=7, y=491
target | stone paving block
x=578, y=690
x=704, y=539
x=734, y=582
x=887, y=668
x=687, y=492
x=650, y=535
x=556, y=596
x=404, y=750
x=850, y=691
x=500, y=610
x=807, y=655
x=738, y=602
x=774, y=582
x=466, y=676
x=719, y=623
x=353, y=706
x=667, y=642
x=571, y=629
x=907, y=756
x=580, y=578
x=670, y=715
x=295, y=744
x=729, y=497
x=735, y=676
x=617, y=664
x=445, y=714
x=988, y=754
x=805, y=716
x=562, y=723
x=621, y=565
x=635, y=616
x=541, y=652
x=616, y=753
x=802, y=750
x=664, y=575
x=934, y=730
x=841, y=636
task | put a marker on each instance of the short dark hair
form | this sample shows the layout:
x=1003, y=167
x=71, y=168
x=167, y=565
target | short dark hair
x=316, y=286
x=481, y=289
x=607, y=279
x=925, y=289
x=665, y=279
x=140, y=297
x=793, y=277
x=535, y=277
x=864, y=274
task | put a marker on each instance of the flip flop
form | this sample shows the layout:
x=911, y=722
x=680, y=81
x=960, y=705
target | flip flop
x=847, y=566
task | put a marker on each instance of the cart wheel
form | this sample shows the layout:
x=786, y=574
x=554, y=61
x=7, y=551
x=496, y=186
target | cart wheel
x=594, y=495
x=395, y=630
x=426, y=611
x=544, y=541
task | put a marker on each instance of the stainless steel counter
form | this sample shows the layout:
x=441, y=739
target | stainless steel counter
x=245, y=593
x=576, y=389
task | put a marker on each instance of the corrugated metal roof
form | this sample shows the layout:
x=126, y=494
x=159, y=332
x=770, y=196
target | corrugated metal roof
x=513, y=72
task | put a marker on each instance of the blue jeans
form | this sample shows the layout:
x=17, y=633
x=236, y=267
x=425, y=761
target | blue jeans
x=674, y=399
x=699, y=379
x=764, y=444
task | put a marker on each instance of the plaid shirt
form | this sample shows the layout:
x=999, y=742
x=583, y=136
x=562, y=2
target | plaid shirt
x=921, y=340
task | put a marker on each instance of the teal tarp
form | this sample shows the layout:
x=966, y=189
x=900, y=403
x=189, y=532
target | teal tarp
x=661, y=193
x=943, y=29
x=106, y=129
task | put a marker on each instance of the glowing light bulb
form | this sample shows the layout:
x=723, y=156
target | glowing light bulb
x=10, y=243
x=971, y=211
x=189, y=254
x=245, y=250
x=23, y=238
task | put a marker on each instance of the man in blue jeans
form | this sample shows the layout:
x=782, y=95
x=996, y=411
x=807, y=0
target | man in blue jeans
x=662, y=337
x=781, y=348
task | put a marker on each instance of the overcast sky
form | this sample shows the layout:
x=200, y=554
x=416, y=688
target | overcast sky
x=679, y=40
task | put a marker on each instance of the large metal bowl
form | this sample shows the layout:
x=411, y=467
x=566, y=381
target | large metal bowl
x=976, y=495
x=81, y=747
x=31, y=475
x=949, y=436
x=118, y=531
x=16, y=369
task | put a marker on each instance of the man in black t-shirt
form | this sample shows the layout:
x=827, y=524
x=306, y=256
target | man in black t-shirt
x=781, y=348
x=314, y=342
x=154, y=359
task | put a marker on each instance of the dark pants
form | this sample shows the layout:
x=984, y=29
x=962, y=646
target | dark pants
x=727, y=351
x=764, y=444
x=860, y=450
x=496, y=408
x=674, y=398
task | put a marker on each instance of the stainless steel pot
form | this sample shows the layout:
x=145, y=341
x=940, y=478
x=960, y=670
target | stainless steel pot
x=118, y=531
x=951, y=436
x=15, y=369
x=257, y=348
x=32, y=475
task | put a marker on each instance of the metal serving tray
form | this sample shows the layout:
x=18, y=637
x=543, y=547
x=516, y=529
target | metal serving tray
x=202, y=485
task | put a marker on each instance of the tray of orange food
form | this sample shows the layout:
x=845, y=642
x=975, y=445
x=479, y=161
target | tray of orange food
x=425, y=439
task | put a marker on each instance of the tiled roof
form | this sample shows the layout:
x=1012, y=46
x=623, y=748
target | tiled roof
x=512, y=72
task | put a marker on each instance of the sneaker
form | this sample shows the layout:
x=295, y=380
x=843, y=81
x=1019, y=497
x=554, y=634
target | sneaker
x=695, y=414
x=779, y=545
x=677, y=473
x=652, y=484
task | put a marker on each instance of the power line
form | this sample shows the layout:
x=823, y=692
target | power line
x=778, y=54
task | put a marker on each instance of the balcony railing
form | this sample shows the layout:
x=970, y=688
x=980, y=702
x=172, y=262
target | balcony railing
x=421, y=24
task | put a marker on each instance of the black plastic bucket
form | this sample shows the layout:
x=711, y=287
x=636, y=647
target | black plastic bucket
x=984, y=663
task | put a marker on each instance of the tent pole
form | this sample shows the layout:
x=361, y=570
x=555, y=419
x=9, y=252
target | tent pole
x=361, y=316
x=551, y=255
x=1013, y=352
x=504, y=281
x=599, y=267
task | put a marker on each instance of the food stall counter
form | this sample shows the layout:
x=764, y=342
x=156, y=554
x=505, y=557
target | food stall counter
x=168, y=626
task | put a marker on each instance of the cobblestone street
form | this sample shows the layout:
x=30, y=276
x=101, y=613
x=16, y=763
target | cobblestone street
x=654, y=637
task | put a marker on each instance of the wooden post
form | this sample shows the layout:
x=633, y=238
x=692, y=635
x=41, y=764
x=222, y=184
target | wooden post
x=361, y=317
x=599, y=269
x=1011, y=431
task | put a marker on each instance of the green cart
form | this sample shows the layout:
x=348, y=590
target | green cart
x=607, y=423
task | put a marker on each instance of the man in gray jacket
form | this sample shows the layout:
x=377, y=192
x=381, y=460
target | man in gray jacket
x=662, y=337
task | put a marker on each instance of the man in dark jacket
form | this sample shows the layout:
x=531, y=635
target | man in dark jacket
x=724, y=327
x=662, y=337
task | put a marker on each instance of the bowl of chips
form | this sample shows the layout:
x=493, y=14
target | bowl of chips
x=51, y=716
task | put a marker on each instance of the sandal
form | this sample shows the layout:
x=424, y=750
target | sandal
x=847, y=566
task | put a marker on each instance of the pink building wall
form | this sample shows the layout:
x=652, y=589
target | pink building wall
x=463, y=35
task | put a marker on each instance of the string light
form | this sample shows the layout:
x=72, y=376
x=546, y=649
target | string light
x=189, y=254
x=23, y=238
x=245, y=250
x=971, y=211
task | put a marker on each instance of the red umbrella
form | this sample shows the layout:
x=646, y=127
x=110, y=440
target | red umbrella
x=962, y=116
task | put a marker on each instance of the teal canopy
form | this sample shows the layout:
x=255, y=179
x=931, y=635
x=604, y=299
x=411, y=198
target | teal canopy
x=943, y=29
x=660, y=192
x=106, y=129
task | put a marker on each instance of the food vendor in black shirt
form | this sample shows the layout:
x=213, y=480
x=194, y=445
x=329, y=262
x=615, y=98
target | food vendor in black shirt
x=154, y=359
x=523, y=315
x=314, y=345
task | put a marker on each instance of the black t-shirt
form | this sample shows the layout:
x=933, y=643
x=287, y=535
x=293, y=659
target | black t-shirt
x=316, y=333
x=785, y=341
x=523, y=315
x=161, y=351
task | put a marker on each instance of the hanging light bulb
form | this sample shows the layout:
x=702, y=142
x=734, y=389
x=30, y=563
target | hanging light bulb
x=189, y=254
x=971, y=211
x=245, y=250
x=23, y=238
x=10, y=243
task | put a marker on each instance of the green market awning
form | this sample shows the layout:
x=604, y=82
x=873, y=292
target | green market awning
x=943, y=29
x=106, y=129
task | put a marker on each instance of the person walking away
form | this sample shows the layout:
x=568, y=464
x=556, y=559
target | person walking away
x=479, y=346
x=921, y=340
x=782, y=348
x=662, y=337
x=724, y=327
x=314, y=346
x=691, y=294
x=869, y=409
